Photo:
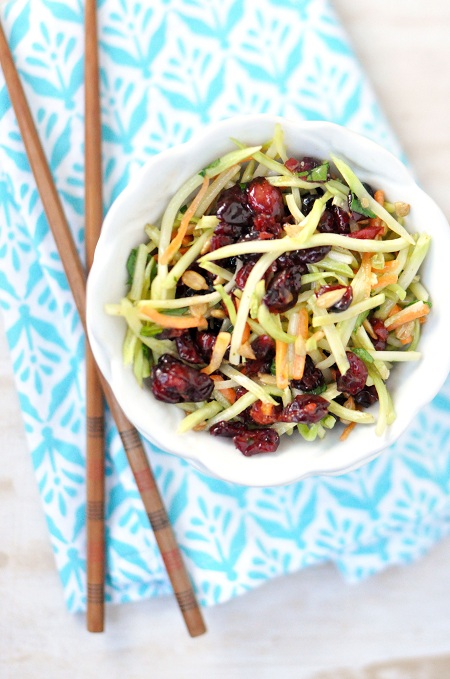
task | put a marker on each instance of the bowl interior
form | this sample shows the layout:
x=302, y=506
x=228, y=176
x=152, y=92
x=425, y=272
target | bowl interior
x=412, y=385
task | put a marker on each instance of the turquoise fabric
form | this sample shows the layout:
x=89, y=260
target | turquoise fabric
x=168, y=68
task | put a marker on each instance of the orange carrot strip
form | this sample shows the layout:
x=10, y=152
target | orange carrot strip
x=395, y=309
x=179, y=322
x=281, y=364
x=407, y=340
x=176, y=242
x=409, y=316
x=379, y=196
x=245, y=334
x=348, y=429
x=228, y=392
x=299, y=361
x=385, y=280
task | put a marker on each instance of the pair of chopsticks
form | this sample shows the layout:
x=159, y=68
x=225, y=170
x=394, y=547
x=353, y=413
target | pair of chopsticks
x=97, y=387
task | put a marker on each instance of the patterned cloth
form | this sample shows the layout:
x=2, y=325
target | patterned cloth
x=168, y=68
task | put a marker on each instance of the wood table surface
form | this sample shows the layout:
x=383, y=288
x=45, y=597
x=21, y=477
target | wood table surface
x=311, y=625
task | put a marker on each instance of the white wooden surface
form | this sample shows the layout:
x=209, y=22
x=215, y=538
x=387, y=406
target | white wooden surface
x=308, y=626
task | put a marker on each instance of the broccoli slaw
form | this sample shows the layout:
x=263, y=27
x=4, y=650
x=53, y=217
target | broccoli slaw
x=275, y=296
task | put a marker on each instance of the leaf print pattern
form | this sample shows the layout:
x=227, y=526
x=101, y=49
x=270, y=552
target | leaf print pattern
x=169, y=67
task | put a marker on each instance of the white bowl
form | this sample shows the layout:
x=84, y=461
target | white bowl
x=412, y=384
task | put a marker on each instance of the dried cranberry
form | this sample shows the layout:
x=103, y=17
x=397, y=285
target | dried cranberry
x=265, y=413
x=266, y=224
x=309, y=255
x=334, y=220
x=312, y=377
x=326, y=222
x=345, y=300
x=292, y=165
x=257, y=441
x=282, y=292
x=381, y=332
x=234, y=231
x=243, y=274
x=308, y=163
x=219, y=240
x=174, y=382
x=367, y=232
x=355, y=378
x=205, y=342
x=170, y=333
x=308, y=202
x=232, y=206
x=227, y=429
x=366, y=397
x=342, y=220
x=187, y=350
x=369, y=189
x=251, y=367
x=306, y=408
x=263, y=347
x=264, y=198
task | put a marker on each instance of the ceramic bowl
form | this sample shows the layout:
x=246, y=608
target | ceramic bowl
x=412, y=385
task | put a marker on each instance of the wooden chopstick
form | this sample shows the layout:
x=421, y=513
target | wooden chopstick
x=95, y=438
x=137, y=458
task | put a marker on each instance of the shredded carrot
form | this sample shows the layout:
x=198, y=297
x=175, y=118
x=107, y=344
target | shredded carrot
x=228, y=392
x=348, y=429
x=385, y=280
x=220, y=347
x=406, y=340
x=177, y=241
x=395, y=309
x=245, y=334
x=299, y=360
x=379, y=196
x=406, y=315
x=179, y=322
x=281, y=364
x=422, y=320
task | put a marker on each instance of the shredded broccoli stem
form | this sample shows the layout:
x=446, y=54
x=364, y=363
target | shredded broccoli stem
x=353, y=311
x=272, y=327
x=215, y=188
x=198, y=416
x=226, y=299
x=365, y=198
x=386, y=413
x=234, y=410
x=287, y=244
x=167, y=222
x=350, y=415
x=247, y=383
x=185, y=261
x=255, y=276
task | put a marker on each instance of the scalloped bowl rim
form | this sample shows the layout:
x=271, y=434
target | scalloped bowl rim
x=122, y=229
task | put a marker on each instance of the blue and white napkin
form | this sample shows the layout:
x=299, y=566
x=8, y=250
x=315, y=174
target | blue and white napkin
x=168, y=68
